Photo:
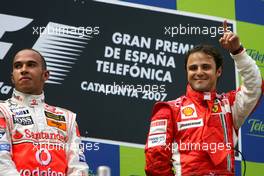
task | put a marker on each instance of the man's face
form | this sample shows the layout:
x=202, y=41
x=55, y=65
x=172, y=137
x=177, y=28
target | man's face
x=201, y=72
x=28, y=75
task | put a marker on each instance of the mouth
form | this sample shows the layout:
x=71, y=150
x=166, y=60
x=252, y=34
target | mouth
x=200, y=79
x=24, y=79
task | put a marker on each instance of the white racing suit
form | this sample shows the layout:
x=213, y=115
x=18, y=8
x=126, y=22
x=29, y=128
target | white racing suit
x=37, y=139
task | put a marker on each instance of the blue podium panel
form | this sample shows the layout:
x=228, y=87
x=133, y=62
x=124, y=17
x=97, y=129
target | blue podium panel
x=250, y=11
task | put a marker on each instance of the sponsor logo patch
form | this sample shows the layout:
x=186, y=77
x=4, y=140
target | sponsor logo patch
x=207, y=96
x=5, y=147
x=55, y=116
x=226, y=106
x=38, y=171
x=57, y=124
x=23, y=120
x=216, y=108
x=189, y=124
x=156, y=140
x=158, y=126
x=43, y=156
x=45, y=135
x=20, y=112
x=2, y=133
x=34, y=102
x=188, y=111
x=52, y=109
x=17, y=135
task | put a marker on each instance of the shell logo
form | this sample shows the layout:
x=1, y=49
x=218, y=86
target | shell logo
x=188, y=111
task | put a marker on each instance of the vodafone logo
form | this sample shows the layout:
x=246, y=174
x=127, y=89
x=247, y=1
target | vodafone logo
x=39, y=172
x=10, y=23
x=43, y=156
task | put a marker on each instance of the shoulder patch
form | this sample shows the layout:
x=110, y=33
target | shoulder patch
x=56, y=117
x=158, y=126
x=57, y=124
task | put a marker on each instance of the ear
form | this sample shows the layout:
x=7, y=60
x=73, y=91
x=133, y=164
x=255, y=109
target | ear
x=219, y=72
x=46, y=75
x=12, y=79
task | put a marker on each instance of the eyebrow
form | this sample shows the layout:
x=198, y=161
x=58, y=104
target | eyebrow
x=201, y=64
x=197, y=65
x=29, y=61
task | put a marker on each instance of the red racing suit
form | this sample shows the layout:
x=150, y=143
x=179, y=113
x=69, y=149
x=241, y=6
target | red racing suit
x=37, y=139
x=196, y=133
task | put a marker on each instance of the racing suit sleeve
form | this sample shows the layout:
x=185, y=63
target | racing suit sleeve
x=250, y=91
x=76, y=160
x=7, y=166
x=158, y=149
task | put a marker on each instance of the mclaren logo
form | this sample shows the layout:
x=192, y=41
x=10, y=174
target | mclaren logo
x=10, y=23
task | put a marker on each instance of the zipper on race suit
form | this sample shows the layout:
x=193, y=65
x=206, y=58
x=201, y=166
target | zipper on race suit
x=224, y=126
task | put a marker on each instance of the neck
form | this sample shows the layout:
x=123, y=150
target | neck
x=28, y=99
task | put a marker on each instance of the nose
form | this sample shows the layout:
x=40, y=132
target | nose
x=199, y=71
x=23, y=69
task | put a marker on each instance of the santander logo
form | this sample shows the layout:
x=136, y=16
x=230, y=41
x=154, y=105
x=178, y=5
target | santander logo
x=45, y=135
x=40, y=135
x=17, y=135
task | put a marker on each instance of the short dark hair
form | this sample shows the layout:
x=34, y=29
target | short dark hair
x=44, y=64
x=207, y=49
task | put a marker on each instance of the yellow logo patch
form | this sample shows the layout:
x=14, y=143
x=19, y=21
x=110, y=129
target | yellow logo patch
x=215, y=108
x=188, y=111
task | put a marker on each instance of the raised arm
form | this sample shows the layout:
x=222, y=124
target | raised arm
x=246, y=98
